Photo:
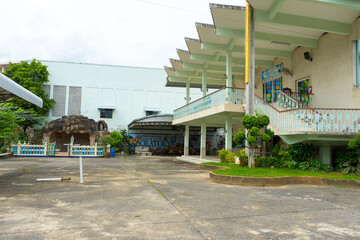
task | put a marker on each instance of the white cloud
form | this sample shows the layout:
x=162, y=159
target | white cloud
x=135, y=33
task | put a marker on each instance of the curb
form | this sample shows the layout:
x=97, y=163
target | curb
x=211, y=167
x=278, y=181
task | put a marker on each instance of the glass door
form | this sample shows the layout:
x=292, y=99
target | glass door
x=302, y=88
x=270, y=89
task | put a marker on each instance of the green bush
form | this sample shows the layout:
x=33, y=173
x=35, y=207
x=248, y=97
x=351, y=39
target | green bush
x=349, y=167
x=105, y=140
x=266, y=162
x=222, y=155
x=242, y=157
x=226, y=157
x=118, y=140
x=345, y=156
x=230, y=158
x=301, y=152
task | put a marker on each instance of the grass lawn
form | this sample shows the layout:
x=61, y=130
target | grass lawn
x=236, y=170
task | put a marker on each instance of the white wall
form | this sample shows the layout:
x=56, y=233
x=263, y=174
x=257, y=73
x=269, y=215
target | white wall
x=130, y=90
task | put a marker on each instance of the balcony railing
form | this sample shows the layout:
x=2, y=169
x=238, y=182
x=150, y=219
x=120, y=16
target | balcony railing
x=328, y=120
x=305, y=98
x=221, y=96
x=286, y=101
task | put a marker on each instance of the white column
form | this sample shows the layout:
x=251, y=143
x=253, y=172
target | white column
x=228, y=134
x=250, y=70
x=325, y=154
x=250, y=86
x=187, y=91
x=229, y=69
x=204, y=87
x=186, y=140
x=203, y=140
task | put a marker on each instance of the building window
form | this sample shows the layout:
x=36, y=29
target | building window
x=149, y=113
x=357, y=63
x=106, y=113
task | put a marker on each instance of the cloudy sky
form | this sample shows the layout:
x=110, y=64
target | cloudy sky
x=132, y=33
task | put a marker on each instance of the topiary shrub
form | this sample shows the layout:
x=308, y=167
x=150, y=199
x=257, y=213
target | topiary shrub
x=253, y=124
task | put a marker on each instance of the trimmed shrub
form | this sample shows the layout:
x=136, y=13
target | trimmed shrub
x=230, y=158
x=222, y=155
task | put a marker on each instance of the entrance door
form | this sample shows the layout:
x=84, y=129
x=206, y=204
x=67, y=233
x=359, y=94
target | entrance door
x=270, y=89
x=302, y=88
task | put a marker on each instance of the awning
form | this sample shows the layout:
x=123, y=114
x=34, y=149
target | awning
x=9, y=88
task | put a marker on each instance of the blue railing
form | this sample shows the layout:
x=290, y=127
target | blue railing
x=221, y=96
x=85, y=150
x=43, y=150
x=27, y=149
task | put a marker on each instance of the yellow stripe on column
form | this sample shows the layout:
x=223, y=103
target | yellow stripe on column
x=247, y=43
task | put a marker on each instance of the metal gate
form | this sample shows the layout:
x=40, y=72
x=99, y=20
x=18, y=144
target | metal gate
x=51, y=149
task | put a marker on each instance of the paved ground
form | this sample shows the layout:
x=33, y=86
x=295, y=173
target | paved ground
x=159, y=198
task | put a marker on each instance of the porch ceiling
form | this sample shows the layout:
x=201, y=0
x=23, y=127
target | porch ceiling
x=280, y=27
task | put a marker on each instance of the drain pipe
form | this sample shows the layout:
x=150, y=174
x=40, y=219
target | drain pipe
x=81, y=170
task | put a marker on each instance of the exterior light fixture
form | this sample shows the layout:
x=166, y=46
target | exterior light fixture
x=307, y=56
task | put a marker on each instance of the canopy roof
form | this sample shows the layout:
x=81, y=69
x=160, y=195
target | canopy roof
x=9, y=88
x=280, y=27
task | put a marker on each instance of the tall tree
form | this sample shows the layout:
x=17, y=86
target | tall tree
x=31, y=76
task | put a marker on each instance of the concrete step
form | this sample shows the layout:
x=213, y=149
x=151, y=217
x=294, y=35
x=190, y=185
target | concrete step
x=196, y=159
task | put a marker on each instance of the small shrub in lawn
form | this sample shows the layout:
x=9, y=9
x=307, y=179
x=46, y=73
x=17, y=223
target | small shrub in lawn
x=230, y=158
x=222, y=155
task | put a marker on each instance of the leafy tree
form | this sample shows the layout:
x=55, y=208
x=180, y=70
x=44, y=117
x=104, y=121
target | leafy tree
x=8, y=128
x=117, y=139
x=31, y=76
x=355, y=145
x=251, y=133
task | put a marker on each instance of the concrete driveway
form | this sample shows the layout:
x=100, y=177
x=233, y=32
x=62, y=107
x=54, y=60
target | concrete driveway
x=160, y=198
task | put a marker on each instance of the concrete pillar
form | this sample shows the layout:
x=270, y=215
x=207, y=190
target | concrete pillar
x=187, y=91
x=250, y=62
x=228, y=134
x=229, y=69
x=186, y=140
x=204, y=87
x=203, y=140
x=249, y=69
x=325, y=154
